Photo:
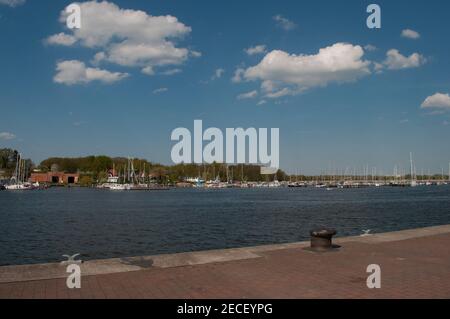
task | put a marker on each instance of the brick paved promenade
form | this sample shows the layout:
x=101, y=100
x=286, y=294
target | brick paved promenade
x=414, y=264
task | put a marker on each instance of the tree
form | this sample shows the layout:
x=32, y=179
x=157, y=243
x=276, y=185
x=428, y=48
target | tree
x=86, y=180
x=8, y=161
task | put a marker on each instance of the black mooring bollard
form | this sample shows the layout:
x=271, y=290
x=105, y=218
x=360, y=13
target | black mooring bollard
x=321, y=238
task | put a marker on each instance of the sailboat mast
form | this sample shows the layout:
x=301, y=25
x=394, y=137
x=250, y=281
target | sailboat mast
x=25, y=171
x=16, y=172
x=21, y=170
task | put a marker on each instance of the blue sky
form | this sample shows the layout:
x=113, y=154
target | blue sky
x=367, y=112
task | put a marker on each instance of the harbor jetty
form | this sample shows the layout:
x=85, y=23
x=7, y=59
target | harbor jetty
x=414, y=264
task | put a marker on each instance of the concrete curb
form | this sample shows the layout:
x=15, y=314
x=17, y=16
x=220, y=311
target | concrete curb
x=21, y=273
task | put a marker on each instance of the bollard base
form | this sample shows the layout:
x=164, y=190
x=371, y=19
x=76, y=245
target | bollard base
x=334, y=248
x=321, y=240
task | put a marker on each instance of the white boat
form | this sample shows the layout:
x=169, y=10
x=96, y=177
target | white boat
x=18, y=180
x=128, y=179
x=18, y=186
x=111, y=182
x=413, y=182
x=274, y=184
x=119, y=187
x=196, y=182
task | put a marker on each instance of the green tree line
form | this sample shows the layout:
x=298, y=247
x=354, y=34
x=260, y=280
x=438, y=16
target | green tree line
x=8, y=161
x=97, y=168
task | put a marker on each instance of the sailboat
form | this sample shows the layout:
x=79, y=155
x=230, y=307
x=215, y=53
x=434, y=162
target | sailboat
x=131, y=181
x=18, y=180
x=413, y=182
x=128, y=174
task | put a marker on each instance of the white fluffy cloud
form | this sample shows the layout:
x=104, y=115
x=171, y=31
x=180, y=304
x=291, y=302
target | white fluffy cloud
x=127, y=37
x=238, y=74
x=410, y=34
x=258, y=49
x=61, y=39
x=437, y=101
x=128, y=53
x=7, y=136
x=75, y=72
x=284, y=23
x=12, y=3
x=248, y=95
x=284, y=74
x=395, y=60
x=148, y=70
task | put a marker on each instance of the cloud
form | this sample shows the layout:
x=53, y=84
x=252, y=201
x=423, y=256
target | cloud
x=79, y=123
x=284, y=23
x=171, y=72
x=378, y=67
x=248, y=95
x=127, y=37
x=7, y=136
x=98, y=57
x=195, y=54
x=238, y=74
x=160, y=90
x=61, y=39
x=370, y=47
x=258, y=49
x=12, y=3
x=284, y=74
x=148, y=70
x=129, y=53
x=217, y=74
x=410, y=34
x=75, y=72
x=280, y=93
x=395, y=60
x=261, y=102
x=437, y=101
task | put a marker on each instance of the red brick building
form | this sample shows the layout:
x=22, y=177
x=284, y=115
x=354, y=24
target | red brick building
x=54, y=178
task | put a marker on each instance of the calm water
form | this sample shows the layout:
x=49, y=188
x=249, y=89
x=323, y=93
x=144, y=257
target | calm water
x=40, y=226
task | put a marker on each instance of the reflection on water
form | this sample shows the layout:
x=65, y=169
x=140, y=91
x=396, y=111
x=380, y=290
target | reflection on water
x=40, y=226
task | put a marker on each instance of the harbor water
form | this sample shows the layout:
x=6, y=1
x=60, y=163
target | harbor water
x=40, y=226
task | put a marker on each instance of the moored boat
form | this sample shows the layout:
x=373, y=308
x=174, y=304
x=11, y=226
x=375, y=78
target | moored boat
x=18, y=181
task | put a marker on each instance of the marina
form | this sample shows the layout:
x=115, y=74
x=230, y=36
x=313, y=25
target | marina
x=138, y=174
x=220, y=149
